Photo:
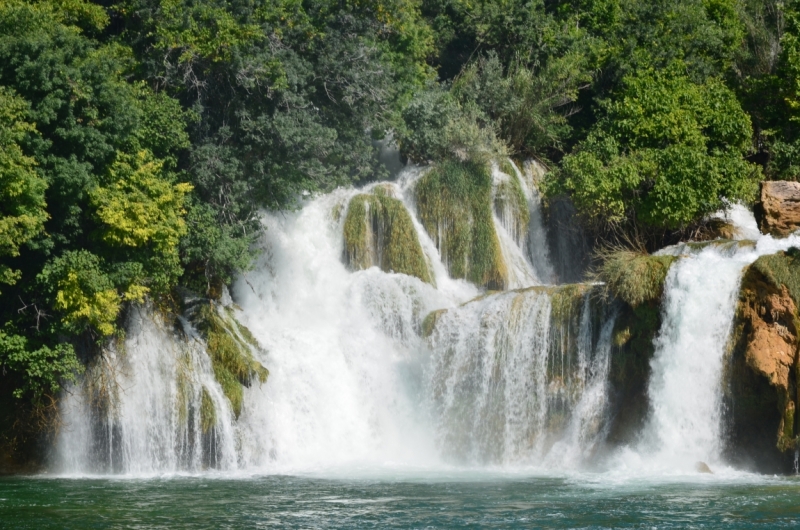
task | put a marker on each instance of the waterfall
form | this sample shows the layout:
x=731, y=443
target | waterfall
x=685, y=424
x=512, y=374
x=379, y=355
x=139, y=411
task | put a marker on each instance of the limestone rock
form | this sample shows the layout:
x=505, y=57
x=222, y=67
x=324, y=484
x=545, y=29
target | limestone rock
x=763, y=384
x=771, y=349
x=778, y=212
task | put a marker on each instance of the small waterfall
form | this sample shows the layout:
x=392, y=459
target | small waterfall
x=685, y=422
x=536, y=244
x=140, y=407
x=514, y=373
x=520, y=225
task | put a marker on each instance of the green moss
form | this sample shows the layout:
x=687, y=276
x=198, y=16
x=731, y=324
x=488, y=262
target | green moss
x=782, y=268
x=378, y=230
x=454, y=201
x=182, y=387
x=429, y=322
x=208, y=413
x=244, y=333
x=566, y=300
x=231, y=356
x=635, y=277
x=506, y=167
x=336, y=212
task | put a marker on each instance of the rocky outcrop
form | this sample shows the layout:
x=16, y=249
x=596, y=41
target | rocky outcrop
x=762, y=390
x=778, y=212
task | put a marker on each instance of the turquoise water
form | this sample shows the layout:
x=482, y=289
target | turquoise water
x=200, y=502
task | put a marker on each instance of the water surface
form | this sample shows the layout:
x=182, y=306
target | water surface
x=443, y=501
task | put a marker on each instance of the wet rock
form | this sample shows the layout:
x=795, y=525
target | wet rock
x=778, y=212
x=702, y=467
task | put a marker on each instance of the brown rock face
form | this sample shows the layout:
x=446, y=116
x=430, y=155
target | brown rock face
x=778, y=212
x=771, y=349
x=763, y=388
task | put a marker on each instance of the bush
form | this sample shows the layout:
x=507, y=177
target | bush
x=634, y=277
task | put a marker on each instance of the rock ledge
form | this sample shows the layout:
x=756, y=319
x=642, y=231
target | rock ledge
x=778, y=212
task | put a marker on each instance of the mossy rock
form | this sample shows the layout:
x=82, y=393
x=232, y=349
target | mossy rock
x=378, y=231
x=635, y=277
x=761, y=393
x=629, y=372
x=782, y=268
x=430, y=320
x=567, y=299
x=454, y=201
x=506, y=167
x=230, y=351
x=208, y=413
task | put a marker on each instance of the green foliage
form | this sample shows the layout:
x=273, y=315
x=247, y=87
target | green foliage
x=790, y=56
x=454, y=201
x=378, y=231
x=140, y=209
x=765, y=83
x=22, y=206
x=634, y=277
x=514, y=30
x=232, y=360
x=528, y=105
x=437, y=126
x=84, y=294
x=283, y=93
x=666, y=153
x=106, y=148
x=42, y=370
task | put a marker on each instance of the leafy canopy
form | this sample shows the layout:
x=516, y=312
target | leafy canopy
x=22, y=205
x=666, y=152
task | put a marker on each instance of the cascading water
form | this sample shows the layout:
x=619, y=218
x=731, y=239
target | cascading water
x=351, y=373
x=139, y=410
x=513, y=374
x=372, y=367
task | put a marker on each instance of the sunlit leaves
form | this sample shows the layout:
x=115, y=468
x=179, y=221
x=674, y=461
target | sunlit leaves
x=139, y=207
x=22, y=205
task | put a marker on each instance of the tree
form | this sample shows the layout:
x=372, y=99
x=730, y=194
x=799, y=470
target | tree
x=666, y=152
x=22, y=205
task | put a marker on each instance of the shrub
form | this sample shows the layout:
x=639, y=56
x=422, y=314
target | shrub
x=634, y=277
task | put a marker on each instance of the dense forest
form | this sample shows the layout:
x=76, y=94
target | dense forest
x=140, y=138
